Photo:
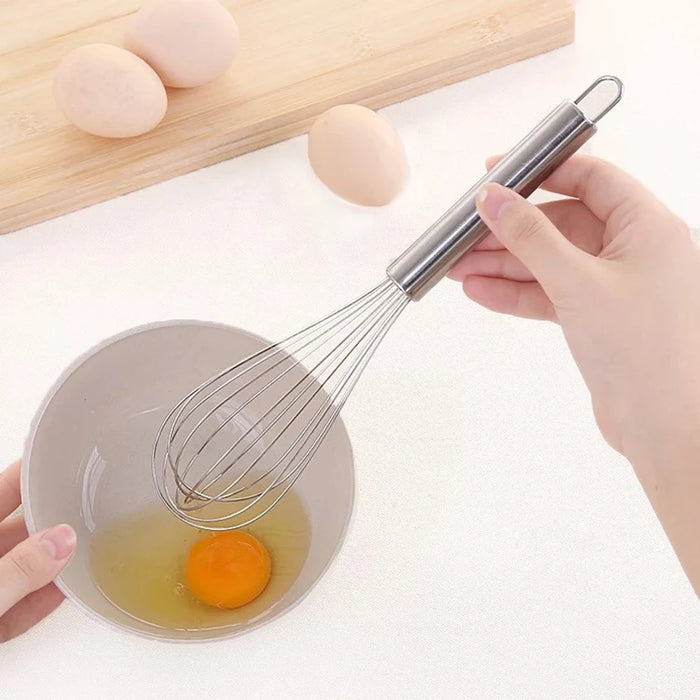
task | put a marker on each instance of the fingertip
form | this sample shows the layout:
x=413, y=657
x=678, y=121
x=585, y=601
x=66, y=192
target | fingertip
x=524, y=299
x=454, y=274
x=479, y=289
x=492, y=160
x=467, y=284
x=600, y=185
x=13, y=469
x=59, y=541
x=491, y=200
x=493, y=294
x=462, y=267
x=10, y=496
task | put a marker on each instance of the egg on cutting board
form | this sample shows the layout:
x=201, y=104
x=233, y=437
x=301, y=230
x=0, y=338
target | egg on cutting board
x=107, y=91
x=187, y=42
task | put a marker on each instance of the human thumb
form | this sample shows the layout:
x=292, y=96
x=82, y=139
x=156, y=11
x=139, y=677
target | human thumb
x=532, y=238
x=33, y=563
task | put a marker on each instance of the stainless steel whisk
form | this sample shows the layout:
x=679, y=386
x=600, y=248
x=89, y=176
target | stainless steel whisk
x=232, y=448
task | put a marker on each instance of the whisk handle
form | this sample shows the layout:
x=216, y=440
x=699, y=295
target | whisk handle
x=558, y=136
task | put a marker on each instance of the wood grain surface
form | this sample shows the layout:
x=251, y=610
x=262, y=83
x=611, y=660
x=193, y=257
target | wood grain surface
x=297, y=58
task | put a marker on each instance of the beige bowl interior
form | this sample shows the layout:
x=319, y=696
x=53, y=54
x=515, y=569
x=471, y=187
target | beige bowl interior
x=88, y=457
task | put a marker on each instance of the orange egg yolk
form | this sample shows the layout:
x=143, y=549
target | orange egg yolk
x=227, y=569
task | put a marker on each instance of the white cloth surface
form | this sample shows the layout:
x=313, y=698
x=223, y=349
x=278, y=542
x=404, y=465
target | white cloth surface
x=499, y=548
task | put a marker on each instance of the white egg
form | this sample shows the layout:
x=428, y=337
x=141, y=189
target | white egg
x=187, y=42
x=358, y=155
x=108, y=91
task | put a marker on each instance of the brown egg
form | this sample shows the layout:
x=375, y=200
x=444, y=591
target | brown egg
x=187, y=42
x=108, y=91
x=358, y=155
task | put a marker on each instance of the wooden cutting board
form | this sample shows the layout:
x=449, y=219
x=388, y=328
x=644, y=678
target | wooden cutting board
x=297, y=58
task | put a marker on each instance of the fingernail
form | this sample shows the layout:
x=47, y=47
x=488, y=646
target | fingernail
x=493, y=199
x=59, y=541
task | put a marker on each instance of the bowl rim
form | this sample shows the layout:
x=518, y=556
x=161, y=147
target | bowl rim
x=63, y=377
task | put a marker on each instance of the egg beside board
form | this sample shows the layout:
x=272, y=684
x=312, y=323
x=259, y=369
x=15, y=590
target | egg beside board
x=358, y=155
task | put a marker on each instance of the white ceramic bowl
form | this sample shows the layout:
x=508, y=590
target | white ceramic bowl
x=87, y=458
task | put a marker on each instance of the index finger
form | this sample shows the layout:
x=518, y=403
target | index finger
x=600, y=185
x=9, y=490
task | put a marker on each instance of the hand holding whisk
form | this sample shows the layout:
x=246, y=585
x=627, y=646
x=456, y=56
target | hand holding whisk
x=231, y=449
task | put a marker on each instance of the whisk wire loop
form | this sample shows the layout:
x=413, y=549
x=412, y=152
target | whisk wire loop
x=230, y=450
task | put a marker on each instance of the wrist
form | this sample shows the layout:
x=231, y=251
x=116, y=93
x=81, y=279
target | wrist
x=668, y=469
x=668, y=448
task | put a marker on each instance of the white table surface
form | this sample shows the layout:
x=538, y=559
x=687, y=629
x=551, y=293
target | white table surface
x=499, y=548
